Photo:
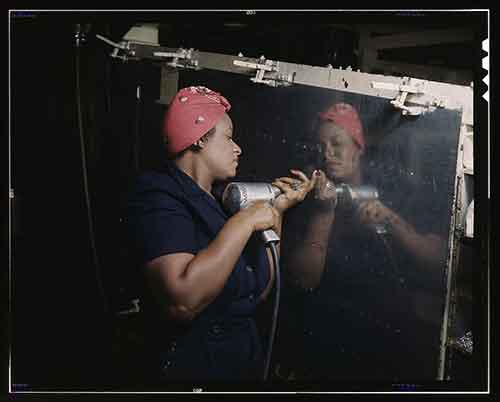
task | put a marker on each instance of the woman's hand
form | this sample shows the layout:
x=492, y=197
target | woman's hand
x=373, y=212
x=294, y=190
x=325, y=192
x=261, y=215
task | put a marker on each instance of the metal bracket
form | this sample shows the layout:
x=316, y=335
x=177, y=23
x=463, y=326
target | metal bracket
x=408, y=86
x=136, y=308
x=182, y=58
x=266, y=66
x=124, y=47
x=126, y=50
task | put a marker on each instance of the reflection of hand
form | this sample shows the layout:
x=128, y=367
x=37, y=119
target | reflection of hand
x=324, y=191
x=293, y=190
x=373, y=211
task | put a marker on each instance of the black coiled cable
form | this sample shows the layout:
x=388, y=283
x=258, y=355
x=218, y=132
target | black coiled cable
x=274, y=321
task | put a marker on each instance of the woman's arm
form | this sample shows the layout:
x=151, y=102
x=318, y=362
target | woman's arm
x=294, y=191
x=428, y=249
x=306, y=258
x=184, y=284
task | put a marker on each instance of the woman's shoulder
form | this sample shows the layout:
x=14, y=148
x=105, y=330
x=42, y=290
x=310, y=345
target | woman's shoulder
x=158, y=180
x=155, y=188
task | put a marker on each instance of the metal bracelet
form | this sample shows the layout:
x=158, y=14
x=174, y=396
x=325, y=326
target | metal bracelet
x=330, y=187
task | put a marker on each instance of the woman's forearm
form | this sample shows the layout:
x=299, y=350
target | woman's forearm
x=206, y=274
x=428, y=249
x=306, y=261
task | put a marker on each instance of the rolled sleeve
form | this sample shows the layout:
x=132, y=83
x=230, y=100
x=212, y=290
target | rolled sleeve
x=160, y=225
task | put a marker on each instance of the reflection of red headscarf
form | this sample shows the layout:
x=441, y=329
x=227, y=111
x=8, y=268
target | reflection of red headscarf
x=190, y=115
x=346, y=117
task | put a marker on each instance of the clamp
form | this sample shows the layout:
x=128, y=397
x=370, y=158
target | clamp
x=266, y=66
x=181, y=58
x=408, y=86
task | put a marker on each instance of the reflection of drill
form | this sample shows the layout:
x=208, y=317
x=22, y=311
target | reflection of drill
x=353, y=196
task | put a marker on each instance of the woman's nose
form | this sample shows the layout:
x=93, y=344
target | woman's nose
x=330, y=151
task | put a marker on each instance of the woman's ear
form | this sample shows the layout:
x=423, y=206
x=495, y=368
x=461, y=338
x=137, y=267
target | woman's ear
x=200, y=143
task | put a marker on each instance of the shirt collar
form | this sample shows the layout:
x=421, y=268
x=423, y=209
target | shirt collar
x=190, y=188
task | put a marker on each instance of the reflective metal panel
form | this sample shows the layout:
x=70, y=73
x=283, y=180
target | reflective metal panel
x=364, y=279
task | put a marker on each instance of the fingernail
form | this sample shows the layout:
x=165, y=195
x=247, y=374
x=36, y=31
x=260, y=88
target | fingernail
x=317, y=173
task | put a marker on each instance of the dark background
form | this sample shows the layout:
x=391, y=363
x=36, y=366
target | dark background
x=63, y=333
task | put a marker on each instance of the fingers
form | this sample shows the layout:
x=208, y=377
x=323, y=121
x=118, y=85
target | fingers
x=300, y=174
x=320, y=182
x=313, y=180
x=289, y=180
x=320, y=178
x=263, y=215
x=372, y=212
x=289, y=185
x=363, y=212
x=304, y=183
x=285, y=187
x=295, y=190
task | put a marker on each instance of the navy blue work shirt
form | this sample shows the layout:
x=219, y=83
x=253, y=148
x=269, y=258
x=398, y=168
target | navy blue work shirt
x=167, y=212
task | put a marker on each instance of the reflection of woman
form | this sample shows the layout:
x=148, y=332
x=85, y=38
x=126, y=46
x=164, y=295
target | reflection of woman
x=205, y=272
x=355, y=285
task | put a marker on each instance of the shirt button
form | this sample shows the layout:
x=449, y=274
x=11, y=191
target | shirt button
x=249, y=268
x=173, y=346
x=251, y=297
x=216, y=329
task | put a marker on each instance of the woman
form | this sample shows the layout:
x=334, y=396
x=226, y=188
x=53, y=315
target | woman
x=205, y=272
x=359, y=314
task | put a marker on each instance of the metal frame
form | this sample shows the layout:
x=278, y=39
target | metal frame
x=413, y=96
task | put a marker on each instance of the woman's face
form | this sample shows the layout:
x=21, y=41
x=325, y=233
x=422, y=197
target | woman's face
x=220, y=152
x=339, y=153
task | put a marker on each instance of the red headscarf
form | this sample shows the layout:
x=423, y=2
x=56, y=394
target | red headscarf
x=191, y=114
x=345, y=116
